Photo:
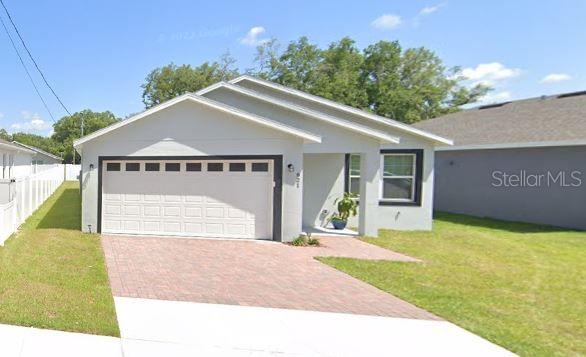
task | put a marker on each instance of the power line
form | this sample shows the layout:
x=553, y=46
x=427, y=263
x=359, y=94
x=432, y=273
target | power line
x=32, y=58
x=26, y=69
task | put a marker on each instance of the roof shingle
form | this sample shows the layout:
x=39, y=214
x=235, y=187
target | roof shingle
x=544, y=119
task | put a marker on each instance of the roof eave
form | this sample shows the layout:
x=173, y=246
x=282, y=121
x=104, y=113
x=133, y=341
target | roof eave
x=385, y=121
x=308, y=137
x=380, y=136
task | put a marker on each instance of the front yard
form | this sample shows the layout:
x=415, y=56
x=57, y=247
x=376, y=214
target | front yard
x=521, y=286
x=53, y=276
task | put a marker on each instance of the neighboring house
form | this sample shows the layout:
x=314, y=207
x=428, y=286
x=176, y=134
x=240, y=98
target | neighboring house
x=42, y=159
x=16, y=160
x=253, y=159
x=19, y=161
x=519, y=161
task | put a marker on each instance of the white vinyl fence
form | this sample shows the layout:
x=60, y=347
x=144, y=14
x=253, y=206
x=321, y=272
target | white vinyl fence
x=72, y=172
x=22, y=196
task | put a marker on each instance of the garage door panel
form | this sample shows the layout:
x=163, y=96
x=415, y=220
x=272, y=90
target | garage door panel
x=131, y=226
x=236, y=229
x=131, y=210
x=214, y=228
x=152, y=198
x=152, y=211
x=171, y=211
x=193, y=228
x=114, y=209
x=152, y=226
x=132, y=197
x=218, y=204
x=172, y=227
x=193, y=212
x=214, y=212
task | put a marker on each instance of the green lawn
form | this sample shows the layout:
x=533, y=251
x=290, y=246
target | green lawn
x=521, y=286
x=52, y=275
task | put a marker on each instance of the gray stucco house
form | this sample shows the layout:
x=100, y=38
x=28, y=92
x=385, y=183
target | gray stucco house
x=253, y=159
x=519, y=161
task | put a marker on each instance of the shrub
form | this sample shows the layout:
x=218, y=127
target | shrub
x=305, y=240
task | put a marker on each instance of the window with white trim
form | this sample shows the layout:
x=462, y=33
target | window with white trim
x=354, y=174
x=398, y=181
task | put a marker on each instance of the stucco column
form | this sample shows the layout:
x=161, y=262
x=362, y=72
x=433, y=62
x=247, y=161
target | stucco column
x=369, y=192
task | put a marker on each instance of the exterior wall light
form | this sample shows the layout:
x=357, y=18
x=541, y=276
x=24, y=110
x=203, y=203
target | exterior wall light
x=291, y=167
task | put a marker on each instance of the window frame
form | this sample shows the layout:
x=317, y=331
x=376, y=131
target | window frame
x=348, y=174
x=114, y=164
x=132, y=163
x=167, y=167
x=255, y=168
x=236, y=163
x=214, y=163
x=190, y=165
x=416, y=188
x=146, y=166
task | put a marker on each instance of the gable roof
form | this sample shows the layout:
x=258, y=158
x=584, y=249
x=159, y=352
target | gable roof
x=377, y=134
x=209, y=103
x=544, y=121
x=37, y=150
x=345, y=108
x=13, y=147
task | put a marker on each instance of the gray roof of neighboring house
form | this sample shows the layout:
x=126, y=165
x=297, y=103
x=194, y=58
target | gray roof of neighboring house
x=11, y=146
x=556, y=118
x=35, y=149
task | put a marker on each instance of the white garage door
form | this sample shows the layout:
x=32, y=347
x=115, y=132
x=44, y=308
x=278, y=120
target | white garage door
x=188, y=198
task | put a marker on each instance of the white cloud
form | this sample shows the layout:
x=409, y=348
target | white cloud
x=252, y=37
x=1, y=115
x=556, y=77
x=489, y=73
x=431, y=9
x=32, y=122
x=499, y=97
x=387, y=22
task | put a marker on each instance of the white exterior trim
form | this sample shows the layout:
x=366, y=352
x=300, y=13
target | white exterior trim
x=412, y=177
x=535, y=144
x=383, y=137
x=385, y=121
x=210, y=103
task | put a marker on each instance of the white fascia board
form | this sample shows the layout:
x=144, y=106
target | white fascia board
x=345, y=108
x=525, y=145
x=381, y=136
x=210, y=103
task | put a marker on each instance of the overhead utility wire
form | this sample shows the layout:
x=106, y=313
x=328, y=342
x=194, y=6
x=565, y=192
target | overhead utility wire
x=32, y=58
x=26, y=69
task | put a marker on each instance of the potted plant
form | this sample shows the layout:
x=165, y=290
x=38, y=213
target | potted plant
x=347, y=207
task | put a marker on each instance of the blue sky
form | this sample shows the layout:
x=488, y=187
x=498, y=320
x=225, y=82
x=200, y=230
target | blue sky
x=97, y=54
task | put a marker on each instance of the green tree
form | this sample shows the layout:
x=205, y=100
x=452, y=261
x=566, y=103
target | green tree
x=4, y=135
x=38, y=141
x=68, y=128
x=296, y=66
x=339, y=76
x=171, y=81
x=407, y=85
x=413, y=84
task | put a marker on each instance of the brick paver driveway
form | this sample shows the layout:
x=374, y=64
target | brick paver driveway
x=250, y=273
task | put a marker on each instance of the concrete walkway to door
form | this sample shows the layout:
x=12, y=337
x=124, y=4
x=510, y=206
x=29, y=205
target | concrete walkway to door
x=250, y=273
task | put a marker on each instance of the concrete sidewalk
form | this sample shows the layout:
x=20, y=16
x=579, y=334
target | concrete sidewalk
x=173, y=328
x=18, y=341
x=158, y=328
